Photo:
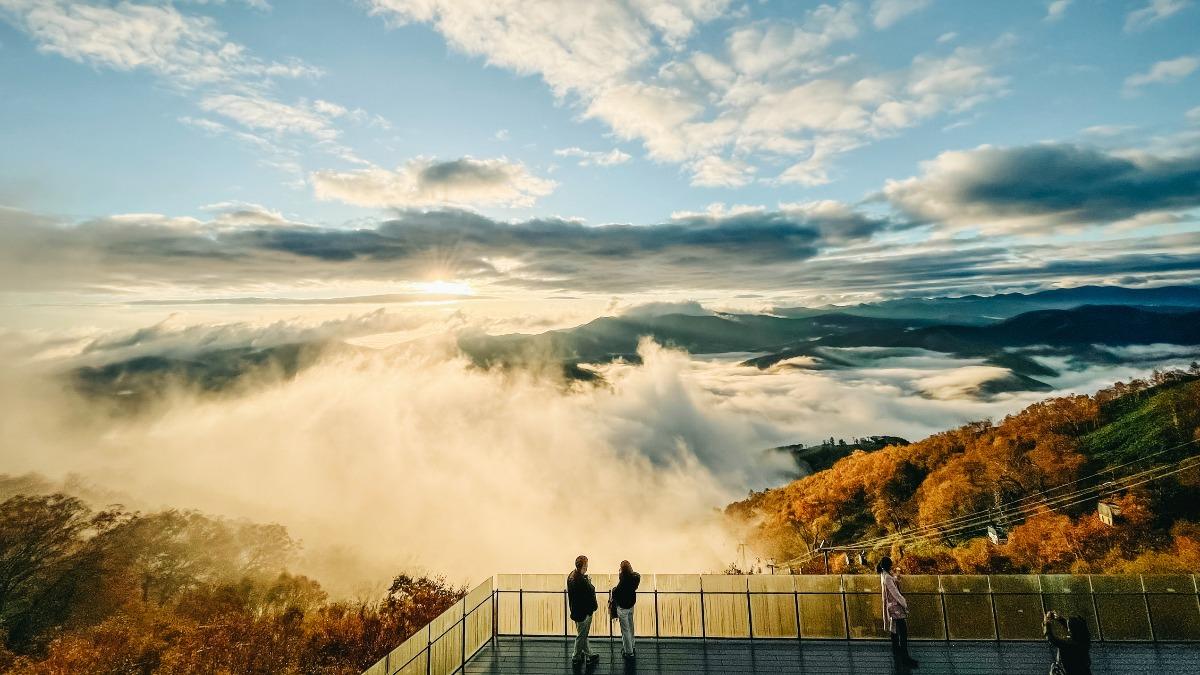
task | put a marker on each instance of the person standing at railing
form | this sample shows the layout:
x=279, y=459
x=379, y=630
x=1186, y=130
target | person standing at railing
x=581, y=596
x=1072, y=657
x=895, y=614
x=624, y=596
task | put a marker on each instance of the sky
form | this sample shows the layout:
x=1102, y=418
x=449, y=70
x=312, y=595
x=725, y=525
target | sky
x=179, y=178
x=554, y=154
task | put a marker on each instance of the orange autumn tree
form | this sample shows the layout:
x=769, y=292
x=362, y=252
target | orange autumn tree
x=1038, y=473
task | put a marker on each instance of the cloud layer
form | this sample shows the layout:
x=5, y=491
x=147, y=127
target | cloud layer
x=426, y=182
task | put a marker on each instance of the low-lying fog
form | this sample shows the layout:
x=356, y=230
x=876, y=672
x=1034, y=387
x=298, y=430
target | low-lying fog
x=409, y=458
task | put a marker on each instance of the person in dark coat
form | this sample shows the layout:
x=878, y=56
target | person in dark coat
x=1072, y=657
x=581, y=597
x=624, y=597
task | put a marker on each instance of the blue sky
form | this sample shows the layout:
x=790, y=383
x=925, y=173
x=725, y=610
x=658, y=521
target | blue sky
x=223, y=118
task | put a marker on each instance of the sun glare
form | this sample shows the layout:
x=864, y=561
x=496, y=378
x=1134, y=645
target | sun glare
x=444, y=288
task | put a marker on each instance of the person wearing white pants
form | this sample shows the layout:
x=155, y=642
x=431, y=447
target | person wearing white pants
x=624, y=596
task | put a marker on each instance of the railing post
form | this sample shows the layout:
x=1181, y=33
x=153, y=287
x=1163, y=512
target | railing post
x=703, y=628
x=749, y=610
x=1095, y=608
x=845, y=607
x=566, y=615
x=992, y=602
x=945, y=616
x=462, y=663
x=521, y=611
x=656, y=609
x=428, y=651
x=796, y=601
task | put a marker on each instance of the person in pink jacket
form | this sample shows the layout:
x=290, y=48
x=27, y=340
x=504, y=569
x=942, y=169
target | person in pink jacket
x=895, y=614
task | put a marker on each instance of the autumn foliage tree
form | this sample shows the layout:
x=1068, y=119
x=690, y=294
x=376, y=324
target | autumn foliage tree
x=928, y=504
x=180, y=592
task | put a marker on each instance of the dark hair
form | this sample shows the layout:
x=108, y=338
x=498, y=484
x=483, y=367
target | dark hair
x=884, y=565
x=580, y=561
x=1078, y=629
x=626, y=568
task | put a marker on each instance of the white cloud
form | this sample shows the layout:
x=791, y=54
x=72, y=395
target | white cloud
x=1153, y=12
x=595, y=157
x=188, y=51
x=425, y=182
x=715, y=171
x=771, y=90
x=238, y=213
x=1163, y=72
x=1056, y=10
x=888, y=12
x=947, y=37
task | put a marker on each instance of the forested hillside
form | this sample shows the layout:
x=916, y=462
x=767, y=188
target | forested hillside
x=85, y=591
x=1037, y=476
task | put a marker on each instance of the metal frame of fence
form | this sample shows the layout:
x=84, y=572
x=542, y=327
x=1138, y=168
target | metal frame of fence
x=1118, y=608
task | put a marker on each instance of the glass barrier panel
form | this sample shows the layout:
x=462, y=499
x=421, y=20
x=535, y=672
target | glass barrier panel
x=508, y=613
x=1018, y=615
x=643, y=611
x=726, y=605
x=1169, y=583
x=1174, y=616
x=773, y=606
x=410, y=658
x=446, y=632
x=925, y=619
x=1015, y=583
x=1121, y=609
x=864, y=615
x=379, y=668
x=479, y=616
x=678, y=605
x=969, y=616
x=821, y=612
x=545, y=613
x=602, y=625
x=1123, y=617
x=965, y=583
x=923, y=593
x=508, y=582
x=862, y=583
x=1073, y=604
x=679, y=615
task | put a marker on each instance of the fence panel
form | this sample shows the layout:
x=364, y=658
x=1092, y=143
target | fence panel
x=925, y=618
x=1174, y=611
x=864, y=606
x=726, y=605
x=822, y=614
x=1070, y=595
x=773, y=610
x=968, y=602
x=480, y=603
x=1017, y=602
x=1121, y=608
x=679, y=607
x=412, y=656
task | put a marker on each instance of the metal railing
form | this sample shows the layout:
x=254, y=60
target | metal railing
x=1118, y=608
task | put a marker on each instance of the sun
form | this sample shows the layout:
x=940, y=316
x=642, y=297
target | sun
x=440, y=287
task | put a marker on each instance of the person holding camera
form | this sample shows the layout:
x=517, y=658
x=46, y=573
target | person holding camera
x=1072, y=657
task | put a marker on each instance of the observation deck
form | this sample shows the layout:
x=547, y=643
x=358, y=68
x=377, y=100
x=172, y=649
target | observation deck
x=688, y=623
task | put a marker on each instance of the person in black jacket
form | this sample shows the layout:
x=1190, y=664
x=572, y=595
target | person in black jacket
x=624, y=596
x=1073, y=657
x=581, y=596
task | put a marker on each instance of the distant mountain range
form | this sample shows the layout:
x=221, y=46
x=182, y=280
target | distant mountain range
x=979, y=309
x=1008, y=331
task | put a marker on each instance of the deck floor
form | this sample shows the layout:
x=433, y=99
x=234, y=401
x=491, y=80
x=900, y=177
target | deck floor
x=537, y=656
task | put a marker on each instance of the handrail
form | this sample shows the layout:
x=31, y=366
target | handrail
x=1118, y=608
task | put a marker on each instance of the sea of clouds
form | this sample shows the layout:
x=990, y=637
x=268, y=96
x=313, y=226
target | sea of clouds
x=407, y=457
